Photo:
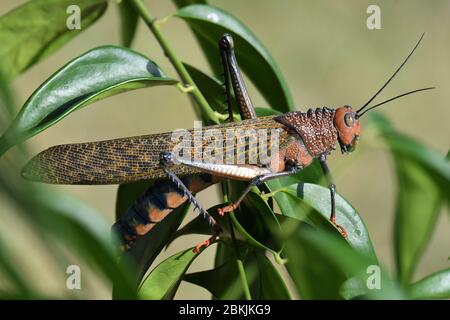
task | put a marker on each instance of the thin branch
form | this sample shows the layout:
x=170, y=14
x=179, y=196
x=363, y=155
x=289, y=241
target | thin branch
x=176, y=62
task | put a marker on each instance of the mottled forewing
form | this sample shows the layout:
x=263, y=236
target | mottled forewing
x=131, y=159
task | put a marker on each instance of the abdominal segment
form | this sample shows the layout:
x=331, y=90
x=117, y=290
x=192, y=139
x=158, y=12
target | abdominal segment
x=157, y=202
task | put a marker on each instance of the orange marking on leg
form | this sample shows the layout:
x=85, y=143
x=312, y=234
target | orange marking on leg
x=205, y=244
x=226, y=209
x=343, y=231
x=341, y=228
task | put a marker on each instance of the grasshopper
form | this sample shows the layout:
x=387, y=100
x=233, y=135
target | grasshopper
x=302, y=137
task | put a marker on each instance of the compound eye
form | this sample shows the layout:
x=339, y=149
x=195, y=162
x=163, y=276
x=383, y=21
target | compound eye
x=349, y=119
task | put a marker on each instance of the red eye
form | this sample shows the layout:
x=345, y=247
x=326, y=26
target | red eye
x=349, y=119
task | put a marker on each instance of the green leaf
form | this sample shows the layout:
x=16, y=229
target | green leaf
x=224, y=253
x=34, y=30
x=226, y=267
x=350, y=262
x=435, y=286
x=256, y=222
x=447, y=158
x=127, y=194
x=164, y=280
x=263, y=112
x=63, y=221
x=95, y=75
x=210, y=23
x=198, y=225
x=7, y=105
x=253, y=221
x=78, y=225
x=288, y=202
x=185, y=3
x=318, y=198
x=398, y=143
x=214, y=93
x=271, y=285
x=64, y=225
x=224, y=290
x=208, y=50
x=311, y=174
x=210, y=87
x=314, y=274
x=264, y=280
x=423, y=180
x=128, y=22
x=8, y=109
x=10, y=275
x=418, y=203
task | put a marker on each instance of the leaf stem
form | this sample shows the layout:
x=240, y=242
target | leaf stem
x=239, y=263
x=176, y=62
x=243, y=277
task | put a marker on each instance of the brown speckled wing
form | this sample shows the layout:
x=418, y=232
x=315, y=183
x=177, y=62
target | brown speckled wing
x=120, y=160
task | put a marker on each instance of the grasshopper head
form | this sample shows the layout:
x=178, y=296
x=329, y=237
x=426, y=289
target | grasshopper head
x=347, y=125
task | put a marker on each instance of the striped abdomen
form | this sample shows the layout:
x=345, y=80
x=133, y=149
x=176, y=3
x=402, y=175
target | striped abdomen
x=154, y=205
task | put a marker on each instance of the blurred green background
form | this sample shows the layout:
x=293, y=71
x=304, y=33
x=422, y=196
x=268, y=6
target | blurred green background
x=328, y=57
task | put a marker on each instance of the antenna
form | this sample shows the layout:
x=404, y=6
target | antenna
x=394, y=98
x=389, y=80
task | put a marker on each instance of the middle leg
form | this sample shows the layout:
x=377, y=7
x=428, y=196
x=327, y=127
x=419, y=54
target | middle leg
x=332, y=187
x=255, y=182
